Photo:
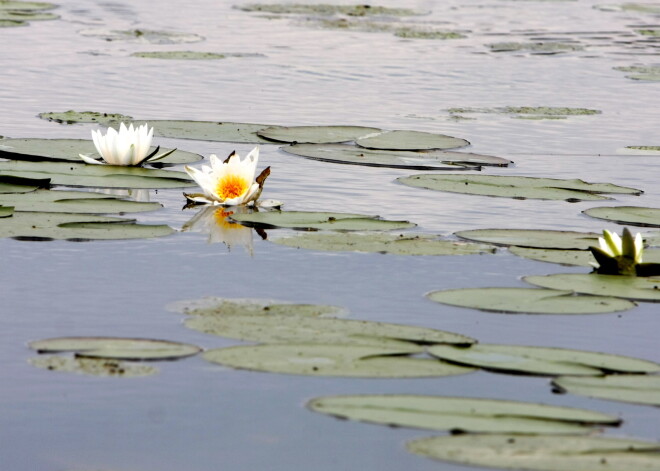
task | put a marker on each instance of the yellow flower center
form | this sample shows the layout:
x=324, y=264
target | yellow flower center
x=231, y=186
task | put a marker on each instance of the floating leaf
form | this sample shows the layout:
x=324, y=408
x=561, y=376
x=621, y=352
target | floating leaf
x=92, y=366
x=649, y=73
x=638, y=389
x=632, y=215
x=25, y=15
x=97, y=176
x=11, y=184
x=306, y=329
x=71, y=117
x=640, y=150
x=397, y=244
x=538, y=112
x=516, y=187
x=461, y=415
x=627, y=287
x=541, y=360
x=142, y=35
x=579, y=258
x=46, y=226
x=6, y=211
x=425, y=160
x=534, y=238
x=410, y=140
x=540, y=47
x=332, y=360
x=180, y=55
x=27, y=6
x=325, y=9
x=309, y=220
x=68, y=150
x=541, y=453
x=117, y=348
x=209, y=130
x=316, y=134
x=213, y=306
x=54, y=201
x=12, y=23
x=529, y=301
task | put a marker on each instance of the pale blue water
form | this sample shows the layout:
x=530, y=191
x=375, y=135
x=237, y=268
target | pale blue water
x=199, y=417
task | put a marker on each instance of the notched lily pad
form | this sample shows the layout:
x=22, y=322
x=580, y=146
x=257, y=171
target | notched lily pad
x=541, y=360
x=142, y=35
x=332, y=360
x=541, y=453
x=72, y=117
x=533, y=238
x=213, y=306
x=462, y=415
x=641, y=72
x=210, y=131
x=117, y=348
x=414, y=160
x=314, y=221
x=636, y=389
x=627, y=287
x=396, y=244
x=410, y=140
x=632, y=215
x=92, y=366
x=517, y=187
x=316, y=134
x=529, y=301
x=68, y=150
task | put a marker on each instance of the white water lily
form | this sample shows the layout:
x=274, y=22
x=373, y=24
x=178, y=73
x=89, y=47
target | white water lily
x=128, y=146
x=619, y=255
x=231, y=182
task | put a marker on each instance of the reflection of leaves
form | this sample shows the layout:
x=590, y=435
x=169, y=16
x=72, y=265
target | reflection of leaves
x=213, y=220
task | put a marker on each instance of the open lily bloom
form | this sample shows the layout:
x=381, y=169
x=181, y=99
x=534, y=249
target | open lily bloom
x=229, y=183
x=128, y=146
x=618, y=255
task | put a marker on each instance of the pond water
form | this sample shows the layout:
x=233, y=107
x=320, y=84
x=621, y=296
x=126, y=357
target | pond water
x=198, y=416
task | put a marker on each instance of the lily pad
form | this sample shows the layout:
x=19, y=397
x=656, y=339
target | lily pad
x=541, y=360
x=426, y=160
x=632, y=215
x=410, y=140
x=26, y=15
x=637, y=389
x=314, y=221
x=47, y=226
x=634, y=7
x=92, y=366
x=325, y=9
x=640, y=150
x=534, y=238
x=316, y=134
x=649, y=73
x=71, y=117
x=517, y=187
x=529, y=301
x=577, y=258
x=462, y=415
x=210, y=131
x=142, y=35
x=306, y=329
x=537, y=112
x=332, y=360
x=11, y=184
x=397, y=244
x=417, y=33
x=213, y=306
x=27, y=6
x=67, y=150
x=540, y=47
x=627, y=287
x=117, y=348
x=6, y=211
x=541, y=453
x=180, y=55
x=97, y=176
x=12, y=23
x=54, y=201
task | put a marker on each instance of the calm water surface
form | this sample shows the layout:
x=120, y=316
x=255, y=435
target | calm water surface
x=201, y=417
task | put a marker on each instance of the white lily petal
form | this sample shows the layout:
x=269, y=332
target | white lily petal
x=639, y=248
x=89, y=160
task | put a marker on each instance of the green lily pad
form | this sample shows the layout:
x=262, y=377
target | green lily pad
x=71, y=117
x=538, y=112
x=316, y=134
x=27, y=6
x=541, y=453
x=6, y=211
x=12, y=23
x=325, y=9
x=540, y=47
x=417, y=33
x=11, y=184
x=92, y=366
x=410, y=140
x=632, y=215
x=529, y=301
x=635, y=7
x=26, y=15
x=117, y=348
x=461, y=415
x=67, y=150
x=180, y=55
x=54, y=201
x=332, y=360
x=213, y=306
x=578, y=258
x=428, y=160
x=649, y=73
x=397, y=244
x=47, y=226
x=627, y=287
x=209, y=131
x=313, y=221
x=637, y=389
x=534, y=238
x=142, y=35
x=640, y=150
x=305, y=329
x=97, y=176
x=516, y=187
x=541, y=360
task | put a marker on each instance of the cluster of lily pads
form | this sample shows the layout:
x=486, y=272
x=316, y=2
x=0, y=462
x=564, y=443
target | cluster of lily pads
x=19, y=13
x=317, y=340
